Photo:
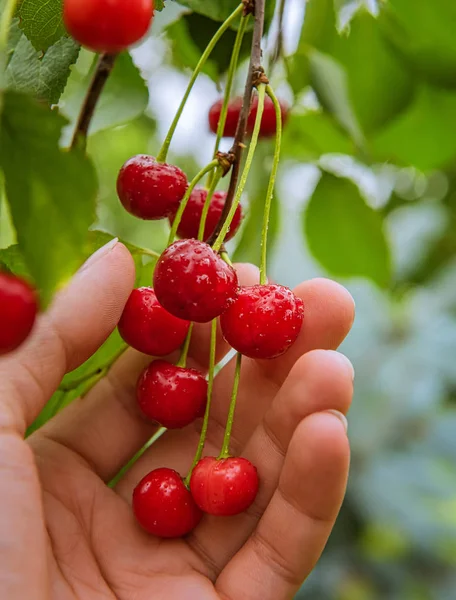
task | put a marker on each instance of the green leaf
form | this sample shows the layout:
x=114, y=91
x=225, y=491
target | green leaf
x=424, y=136
x=189, y=37
x=310, y=135
x=124, y=97
x=159, y=5
x=330, y=82
x=218, y=11
x=423, y=32
x=377, y=84
x=51, y=192
x=344, y=234
x=43, y=76
x=42, y=22
x=12, y=260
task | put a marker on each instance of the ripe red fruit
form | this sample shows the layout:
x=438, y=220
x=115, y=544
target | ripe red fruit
x=264, y=321
x=192, y=281
x=147, y=327
x=224, y=487
x=189, y=225
x=163, y=506
x=18, y=308
x=170, y=395
x=268, y=121
x=150, y=190
x=232, y=116
x=107, y=25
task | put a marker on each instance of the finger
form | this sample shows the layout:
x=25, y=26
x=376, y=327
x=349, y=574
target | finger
x=329, y=316
x=107, y=428
x=78, y=322
x=320, y=381
x=294, y=530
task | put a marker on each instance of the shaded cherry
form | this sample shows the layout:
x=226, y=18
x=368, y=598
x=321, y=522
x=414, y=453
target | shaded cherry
x=163, y=506
x=107, y=25
x=268, y=121
x=18, y=308
x=232, y=116
x=224, y=487
x=189, y=225
x=150, y=190
x=193, y=282
x=170, y=395
x=147, y=327
x=264, y=321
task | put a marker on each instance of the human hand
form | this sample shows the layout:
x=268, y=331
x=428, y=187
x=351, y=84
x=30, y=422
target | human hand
x=66, y=535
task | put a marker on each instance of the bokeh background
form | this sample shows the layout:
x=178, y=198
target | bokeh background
x=366, y=195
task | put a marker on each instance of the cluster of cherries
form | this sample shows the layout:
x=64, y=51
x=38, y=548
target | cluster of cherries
x=193, y=283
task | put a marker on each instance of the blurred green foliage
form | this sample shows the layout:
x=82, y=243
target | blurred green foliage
x=367, y=194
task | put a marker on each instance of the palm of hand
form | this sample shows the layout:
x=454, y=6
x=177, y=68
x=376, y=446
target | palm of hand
x=67, y=535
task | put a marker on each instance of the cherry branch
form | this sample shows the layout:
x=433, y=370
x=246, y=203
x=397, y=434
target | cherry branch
x=102, y=72
x=255, y=70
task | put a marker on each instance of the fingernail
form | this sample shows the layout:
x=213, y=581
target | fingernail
x=342, y=418
x=347, y=363
x=106, y=249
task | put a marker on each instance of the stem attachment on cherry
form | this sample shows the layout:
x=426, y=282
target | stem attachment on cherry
x=183, y=205
x=103, y=70
x=161, y=157
x=210, y=387
x=271, y=187
x=225, y=451
x=245, y=173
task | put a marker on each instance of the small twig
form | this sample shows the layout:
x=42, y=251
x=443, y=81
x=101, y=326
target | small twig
x=238, y=145
x=102, y=72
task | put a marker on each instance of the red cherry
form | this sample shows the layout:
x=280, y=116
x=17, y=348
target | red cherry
x=264, y=321
x=18, y=308
x=192, y=281
x=224, y=487
x=107, y=25
x=163, y=505
x=232, y=117
x=189, y=225
x=170, y=395
x=268, y=121
x=147, y=327
x=150, y=190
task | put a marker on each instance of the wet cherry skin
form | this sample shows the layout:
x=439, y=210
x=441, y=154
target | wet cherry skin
x=147, y=327
x=264, y=321
x=150, y=190
x=107, y=25
x=224, y=487
x=189, y=225
x=172, y=396
x=18, y=309
x=163, y=506
x=193, y=282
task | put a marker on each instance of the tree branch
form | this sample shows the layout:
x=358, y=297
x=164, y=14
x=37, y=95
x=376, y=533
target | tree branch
x=102, y=72
x=235, y=153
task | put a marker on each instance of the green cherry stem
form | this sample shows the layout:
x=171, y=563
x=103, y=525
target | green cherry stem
x=229, y=81
x=225, y=451
x=245, y=173
x=271, y=188
x=184, y=352
x=183, y=205
x=210, y=387
x=213, y=186
x=226, y=25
